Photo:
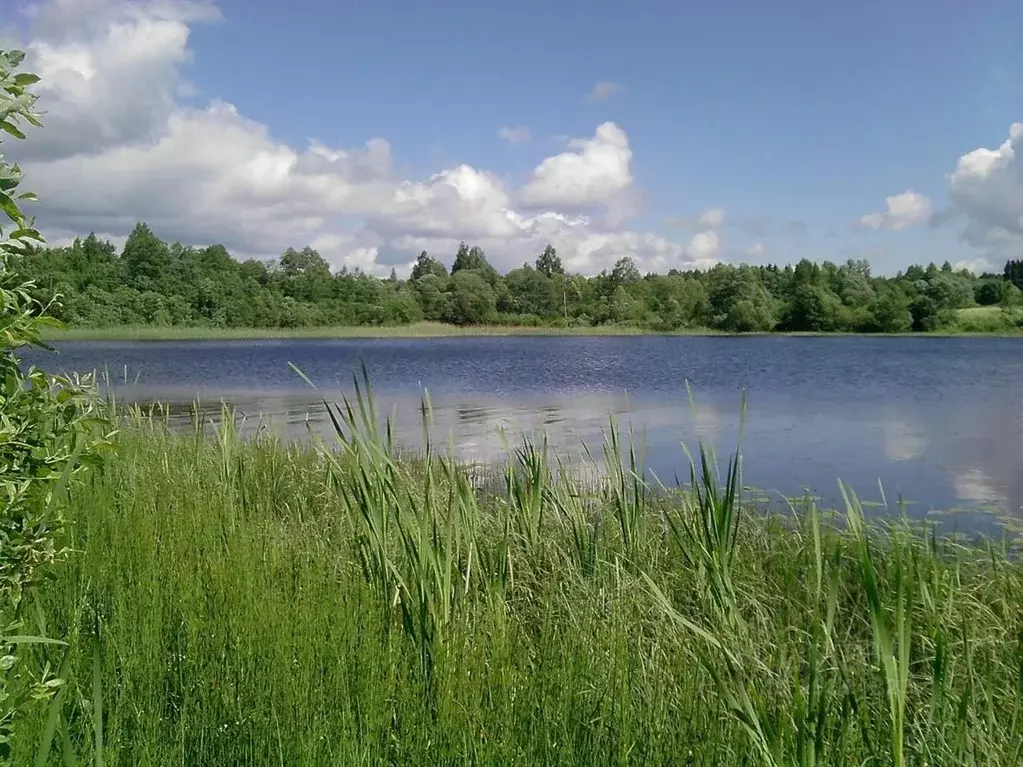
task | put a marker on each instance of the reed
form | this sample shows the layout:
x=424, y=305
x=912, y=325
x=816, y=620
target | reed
x=253, y=601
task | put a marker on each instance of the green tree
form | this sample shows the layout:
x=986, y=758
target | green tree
x=625, y=272
x=306, y=275
x=815, y=308
x=890, y=311
x=402, y=308
x=1014, y=272
x=472, y=300
x=989, y=292
x=425, y=265
x=1011, y=297
x=950, y=291
x=474, y=260
x=530, y=291
x=623, y=308
x=854, y=283
x=433, y=299
x=548, y=263
x=738, y=302
x=145, y=258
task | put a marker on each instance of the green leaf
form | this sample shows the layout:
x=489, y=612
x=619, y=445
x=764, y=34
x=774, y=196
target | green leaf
x=30, y=640
x=9, y=127
x=10, y=207
x=26, y=233
x=52, y=717
x=25, y=79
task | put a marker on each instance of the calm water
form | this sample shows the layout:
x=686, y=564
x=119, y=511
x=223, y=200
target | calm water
x=935, y=420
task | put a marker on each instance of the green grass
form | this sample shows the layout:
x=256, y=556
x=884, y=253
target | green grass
x=976, y=321
x=417, y=330
x=989, y=320
x=254, y=602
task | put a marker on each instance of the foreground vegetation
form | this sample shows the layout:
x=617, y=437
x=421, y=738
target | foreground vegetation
x=253, y=602
x=169, y=286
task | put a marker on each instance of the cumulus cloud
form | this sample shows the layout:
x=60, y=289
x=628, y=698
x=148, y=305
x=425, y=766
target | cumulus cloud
x=124, y=143
x=976, y=265
x=704, y=248
x=901, y=210
x=593, y=171
x=514, y=134
x=603, y=90
x=987, y=189
x=117, y=86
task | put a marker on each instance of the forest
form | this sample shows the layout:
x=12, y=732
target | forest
x=156, y=283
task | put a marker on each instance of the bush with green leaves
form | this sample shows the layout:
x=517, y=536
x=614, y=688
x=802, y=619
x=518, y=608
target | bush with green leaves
x=50, y=428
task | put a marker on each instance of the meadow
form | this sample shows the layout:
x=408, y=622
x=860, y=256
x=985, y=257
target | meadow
x=415, y=330
x=988, y=319
x=977, y=320
x=230, y=601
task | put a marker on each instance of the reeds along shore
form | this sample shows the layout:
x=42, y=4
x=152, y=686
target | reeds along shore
x=231, y=601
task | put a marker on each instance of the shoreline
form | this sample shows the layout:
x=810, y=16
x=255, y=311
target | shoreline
x=427, y=330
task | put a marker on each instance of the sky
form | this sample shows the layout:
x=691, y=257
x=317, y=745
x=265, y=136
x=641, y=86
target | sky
x=681, y=134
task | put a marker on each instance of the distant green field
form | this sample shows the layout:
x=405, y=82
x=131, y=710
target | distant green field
x=989, y=319
x=982, y=320
x=418, y=330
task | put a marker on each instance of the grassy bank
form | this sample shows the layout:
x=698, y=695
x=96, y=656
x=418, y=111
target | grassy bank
x=233, y=602
x=417, y=330
x=975, y=321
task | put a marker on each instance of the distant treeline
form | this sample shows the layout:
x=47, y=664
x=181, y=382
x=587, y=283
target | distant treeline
x=152, y=282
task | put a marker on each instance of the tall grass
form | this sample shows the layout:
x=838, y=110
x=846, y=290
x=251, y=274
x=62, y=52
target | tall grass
x=262, y=602
x=415, y=330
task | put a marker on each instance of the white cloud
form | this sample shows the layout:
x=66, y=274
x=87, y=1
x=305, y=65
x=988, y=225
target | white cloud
x=975, y=265
x=461, y=202
x=594, y=171
x=603, y=90
x=213, y=175
x=704, y=247
x=514, y=134
x=118, y=86
x=119, y=145
x=987, y=189
x=350, y=250
x=901, y=210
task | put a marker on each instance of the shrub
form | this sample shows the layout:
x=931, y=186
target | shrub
x=47, y=429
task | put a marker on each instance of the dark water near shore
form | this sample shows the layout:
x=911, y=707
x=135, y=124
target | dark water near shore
x=937, y=420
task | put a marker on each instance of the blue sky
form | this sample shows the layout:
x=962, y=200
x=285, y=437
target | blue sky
x=772, y=112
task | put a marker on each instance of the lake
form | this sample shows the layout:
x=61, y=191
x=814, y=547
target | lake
x=936, y=420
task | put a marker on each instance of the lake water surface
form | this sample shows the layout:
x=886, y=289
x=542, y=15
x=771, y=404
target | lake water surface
x=938, y=421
